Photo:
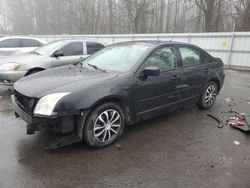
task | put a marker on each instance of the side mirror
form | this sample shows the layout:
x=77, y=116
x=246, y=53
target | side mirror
x=58, y=53
x=151, y=71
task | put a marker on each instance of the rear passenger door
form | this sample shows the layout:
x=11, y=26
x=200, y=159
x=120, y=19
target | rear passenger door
x=72, y=53
x=194, y=72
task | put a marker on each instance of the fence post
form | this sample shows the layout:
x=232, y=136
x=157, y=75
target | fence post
x=157, y=37
x=231, y=50
x=189, y=38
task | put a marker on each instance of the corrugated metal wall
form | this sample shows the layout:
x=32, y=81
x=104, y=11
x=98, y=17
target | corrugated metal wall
x=232, y=48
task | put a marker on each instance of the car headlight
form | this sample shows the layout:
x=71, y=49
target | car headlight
x=9, y=66
x=46, y=104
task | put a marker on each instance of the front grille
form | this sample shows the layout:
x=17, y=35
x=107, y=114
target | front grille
x=27, y=103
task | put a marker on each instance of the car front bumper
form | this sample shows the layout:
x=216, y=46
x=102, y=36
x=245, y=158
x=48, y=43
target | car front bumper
x=9, y=77
x=61, y=123
x=5, y=89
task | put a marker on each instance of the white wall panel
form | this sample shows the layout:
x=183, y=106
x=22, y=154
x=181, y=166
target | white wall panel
x=217, y=44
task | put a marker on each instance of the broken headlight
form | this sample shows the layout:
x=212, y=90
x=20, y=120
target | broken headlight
x=46, y=105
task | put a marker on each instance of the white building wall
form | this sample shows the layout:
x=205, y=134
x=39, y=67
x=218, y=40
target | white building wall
x=232, y=48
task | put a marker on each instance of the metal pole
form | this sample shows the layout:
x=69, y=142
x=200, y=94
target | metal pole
x=231, y=47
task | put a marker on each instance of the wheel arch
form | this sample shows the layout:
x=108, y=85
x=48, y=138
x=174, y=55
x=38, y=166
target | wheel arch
x=118, y=100
x=34, y=69
x=216, y=80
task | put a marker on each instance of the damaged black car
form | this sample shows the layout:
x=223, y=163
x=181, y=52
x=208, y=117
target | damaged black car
x=120, y=85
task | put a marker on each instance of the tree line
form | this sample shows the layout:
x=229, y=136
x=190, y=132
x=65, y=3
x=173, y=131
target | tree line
x=123, y=16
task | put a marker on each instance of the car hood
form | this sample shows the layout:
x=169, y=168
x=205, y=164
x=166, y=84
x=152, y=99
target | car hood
x=20, y=58
x=63, y=79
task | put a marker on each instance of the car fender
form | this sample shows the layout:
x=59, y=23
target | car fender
x=43, y=63
x=91, y=97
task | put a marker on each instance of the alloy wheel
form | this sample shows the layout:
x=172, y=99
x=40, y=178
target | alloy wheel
x=107, y=126
x=210, y=95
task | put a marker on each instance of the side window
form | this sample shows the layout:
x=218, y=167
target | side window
x=30, y=43
x=73, y=49
x=189, y=56
x=163, y=58
x=93, y=47
x=10, y=43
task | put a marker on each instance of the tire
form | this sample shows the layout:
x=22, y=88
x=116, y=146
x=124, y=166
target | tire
x=104, y=125
x=209, y=95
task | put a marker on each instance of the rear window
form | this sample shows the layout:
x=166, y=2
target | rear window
x=93, y=47
x=30, y=43
x=189, y=56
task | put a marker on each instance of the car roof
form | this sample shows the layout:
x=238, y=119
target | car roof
x=21, y=37
x=157, y=43
x=153, y=43
x=78, y=40
x=82, y=40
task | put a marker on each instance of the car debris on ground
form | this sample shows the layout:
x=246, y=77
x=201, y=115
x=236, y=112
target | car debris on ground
x=238, y=121
x=235, y=120
x=220, y=122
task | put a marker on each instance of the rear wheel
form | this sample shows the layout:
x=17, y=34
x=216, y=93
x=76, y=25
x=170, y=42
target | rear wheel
x=104, y=125
x=209, y=95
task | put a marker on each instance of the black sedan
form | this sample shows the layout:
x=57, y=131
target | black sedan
x=120, y=85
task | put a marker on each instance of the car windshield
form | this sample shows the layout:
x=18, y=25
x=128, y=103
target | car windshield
x=48, y=48
x=117, y=58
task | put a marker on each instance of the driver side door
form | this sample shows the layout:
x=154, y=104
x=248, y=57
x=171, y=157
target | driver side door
x=72, y=53
x=154, y=95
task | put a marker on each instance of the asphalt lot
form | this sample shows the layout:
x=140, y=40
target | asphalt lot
x=181, y=149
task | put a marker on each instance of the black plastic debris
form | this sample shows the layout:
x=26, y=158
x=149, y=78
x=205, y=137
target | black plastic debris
x=219, y=121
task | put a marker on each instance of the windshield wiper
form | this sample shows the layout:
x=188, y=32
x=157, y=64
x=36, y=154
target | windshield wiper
x=96, y=68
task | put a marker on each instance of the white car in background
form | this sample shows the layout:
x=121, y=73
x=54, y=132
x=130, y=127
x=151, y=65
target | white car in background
x=16, y=45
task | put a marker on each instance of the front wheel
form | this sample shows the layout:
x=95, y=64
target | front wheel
x=209, y=95
x=104, y=125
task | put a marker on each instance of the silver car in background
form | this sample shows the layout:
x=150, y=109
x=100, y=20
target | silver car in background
x=16, y=45
x=54, y=54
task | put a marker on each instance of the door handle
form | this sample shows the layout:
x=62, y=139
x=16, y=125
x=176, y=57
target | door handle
x=174, y=77
x=206, y=70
